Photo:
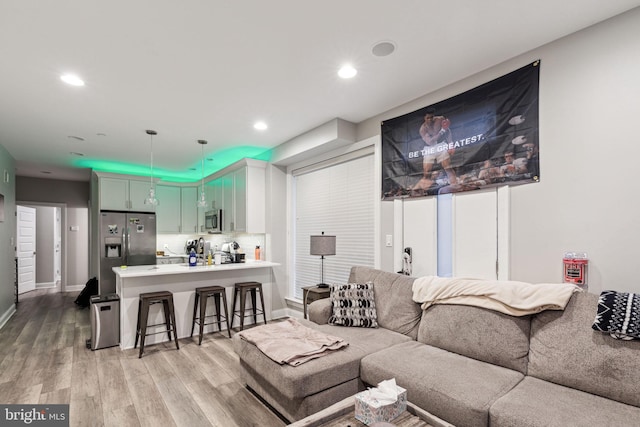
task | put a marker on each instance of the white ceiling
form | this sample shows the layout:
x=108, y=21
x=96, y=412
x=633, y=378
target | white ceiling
x=208, y=69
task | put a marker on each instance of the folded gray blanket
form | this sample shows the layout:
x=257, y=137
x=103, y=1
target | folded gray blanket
x=291, y=343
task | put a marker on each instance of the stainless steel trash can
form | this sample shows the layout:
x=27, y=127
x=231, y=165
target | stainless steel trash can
x=105, y=321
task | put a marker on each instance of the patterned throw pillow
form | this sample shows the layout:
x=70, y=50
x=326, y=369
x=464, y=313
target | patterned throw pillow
x=618, y=315
x=353, y=304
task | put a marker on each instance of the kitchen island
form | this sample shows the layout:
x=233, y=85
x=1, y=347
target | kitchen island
x=182, y=280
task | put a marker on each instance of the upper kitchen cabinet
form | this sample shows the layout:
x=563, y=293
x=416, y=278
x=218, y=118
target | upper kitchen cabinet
x=210, y=198
x=168, y=209
x=227, y=204
x=177, y=211
x=242, y=196
x=123, y=194
x=189, y=200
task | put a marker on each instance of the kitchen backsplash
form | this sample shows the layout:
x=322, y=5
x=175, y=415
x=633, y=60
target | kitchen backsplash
x=175, y=243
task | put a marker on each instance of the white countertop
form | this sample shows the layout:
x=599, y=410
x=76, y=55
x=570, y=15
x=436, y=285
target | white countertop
x=167, y=269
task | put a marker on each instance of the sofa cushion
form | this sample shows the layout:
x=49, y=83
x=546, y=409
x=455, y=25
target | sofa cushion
x=322, y=373
x=395, y=308
x=353, y=304
x=565, y=350
x=479, y=333
x=538, y=403
x=452, y=387
x=319, y=311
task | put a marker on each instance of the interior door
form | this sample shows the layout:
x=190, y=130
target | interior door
x=26, y=248
x=420, y=235
x=475, y=234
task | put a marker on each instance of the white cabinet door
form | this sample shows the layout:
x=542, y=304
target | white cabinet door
x=114, y=194
x=138, y=192
x=189, y=201
x=208, y=197
x=254, y=210
x=216, y=201
x=228, y=207
x=121, y=194
x=240, y=198
x=168, y=210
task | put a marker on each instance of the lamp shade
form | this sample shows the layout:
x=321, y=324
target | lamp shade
x=323, y=245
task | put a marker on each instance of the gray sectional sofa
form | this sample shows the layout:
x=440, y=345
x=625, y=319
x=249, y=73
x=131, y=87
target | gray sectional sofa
x=468, y=366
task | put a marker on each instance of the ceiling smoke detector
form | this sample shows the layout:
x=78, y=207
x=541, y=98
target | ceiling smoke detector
x=385, y=48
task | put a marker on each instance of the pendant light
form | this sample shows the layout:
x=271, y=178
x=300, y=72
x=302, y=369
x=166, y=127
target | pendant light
x=202, y=203
x=151, y=199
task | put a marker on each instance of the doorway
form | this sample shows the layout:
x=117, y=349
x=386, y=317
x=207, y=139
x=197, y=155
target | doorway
x=49, y=267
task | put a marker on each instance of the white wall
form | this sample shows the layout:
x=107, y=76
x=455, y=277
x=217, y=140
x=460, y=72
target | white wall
x=77, y=248
x=7, y=237
x=587, y=199
x=45, y=242
x=278, y=235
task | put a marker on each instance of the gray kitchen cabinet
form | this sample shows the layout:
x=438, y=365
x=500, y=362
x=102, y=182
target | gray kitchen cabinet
x=122, y=194
x=168, y=210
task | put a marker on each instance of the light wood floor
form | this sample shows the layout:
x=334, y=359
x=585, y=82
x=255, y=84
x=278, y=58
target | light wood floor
x=44, y=359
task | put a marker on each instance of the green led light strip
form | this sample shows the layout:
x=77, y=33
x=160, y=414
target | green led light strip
x=221, y=160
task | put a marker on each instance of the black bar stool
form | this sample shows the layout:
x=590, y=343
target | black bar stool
x=202, y=295
x=147, y=300
x=242, y=289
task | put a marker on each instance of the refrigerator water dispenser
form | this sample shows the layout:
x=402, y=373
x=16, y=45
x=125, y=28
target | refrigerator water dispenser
x=113, y=247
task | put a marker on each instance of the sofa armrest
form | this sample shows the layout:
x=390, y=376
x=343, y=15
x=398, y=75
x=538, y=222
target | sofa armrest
x=319, y=311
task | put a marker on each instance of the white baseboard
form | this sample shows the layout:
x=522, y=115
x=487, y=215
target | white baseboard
x=45, y=285
x=7, y=315
x=73, y=288
x=286, y=312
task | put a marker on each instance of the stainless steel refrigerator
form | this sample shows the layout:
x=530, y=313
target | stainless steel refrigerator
x=126, y=238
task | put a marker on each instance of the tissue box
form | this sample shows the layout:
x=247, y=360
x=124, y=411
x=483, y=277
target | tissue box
x=369, y=410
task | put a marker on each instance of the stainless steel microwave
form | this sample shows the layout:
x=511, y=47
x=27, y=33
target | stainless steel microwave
x=213, y=221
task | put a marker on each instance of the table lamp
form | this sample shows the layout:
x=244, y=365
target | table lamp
x=323, y=245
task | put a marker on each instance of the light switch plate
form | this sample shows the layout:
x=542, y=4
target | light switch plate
x=389, y=240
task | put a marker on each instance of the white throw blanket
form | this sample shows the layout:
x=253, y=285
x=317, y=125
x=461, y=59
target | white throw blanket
x=292, y=343
x=509, y=297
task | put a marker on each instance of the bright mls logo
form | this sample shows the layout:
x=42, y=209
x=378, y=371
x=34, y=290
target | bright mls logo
x=34, y=415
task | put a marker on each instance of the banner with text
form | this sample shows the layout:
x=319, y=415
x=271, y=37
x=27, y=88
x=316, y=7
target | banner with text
x=485, y=137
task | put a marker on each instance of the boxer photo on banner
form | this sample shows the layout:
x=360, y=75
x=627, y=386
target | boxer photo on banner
x=485, y=137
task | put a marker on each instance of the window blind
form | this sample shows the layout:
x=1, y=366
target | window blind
x=338, y=199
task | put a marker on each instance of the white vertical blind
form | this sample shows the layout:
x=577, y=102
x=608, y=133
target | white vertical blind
x=339, y=200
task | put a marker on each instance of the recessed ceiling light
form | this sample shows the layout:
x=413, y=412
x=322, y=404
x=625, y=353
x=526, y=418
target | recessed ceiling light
x=74, y=153
x=77, y=138
x=46, y=172
x=383, y=48
x=260, y=126
x=347, y=72
x=72, y=80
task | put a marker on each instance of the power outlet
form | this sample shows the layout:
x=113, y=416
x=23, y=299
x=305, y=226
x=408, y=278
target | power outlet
x=165, y=246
